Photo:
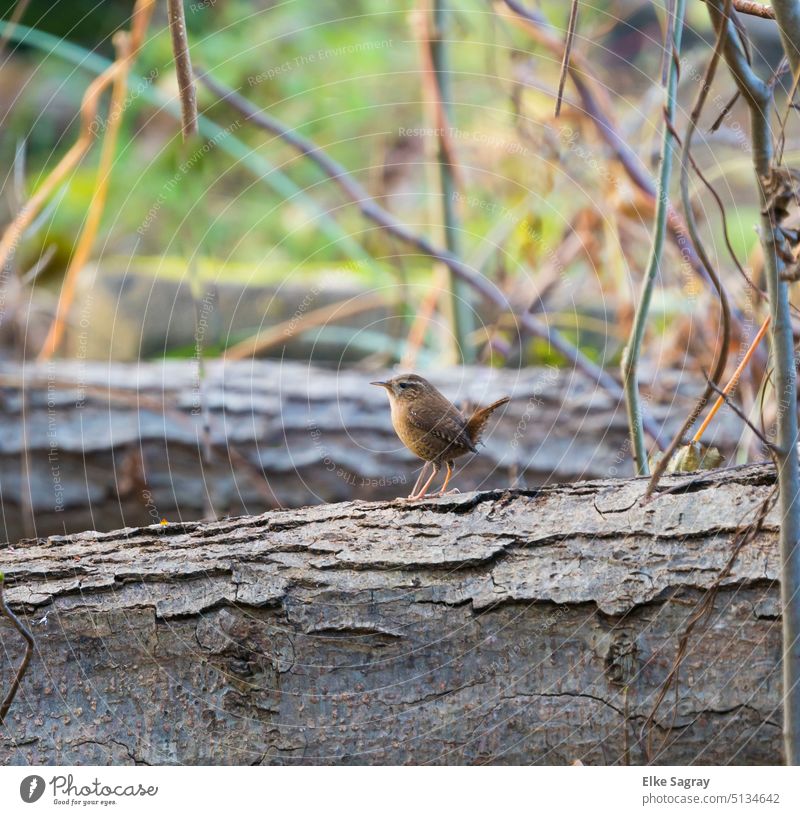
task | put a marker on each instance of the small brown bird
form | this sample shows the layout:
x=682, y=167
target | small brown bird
x=432, y=427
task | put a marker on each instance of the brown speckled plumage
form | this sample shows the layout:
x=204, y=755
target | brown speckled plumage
x=431, y=426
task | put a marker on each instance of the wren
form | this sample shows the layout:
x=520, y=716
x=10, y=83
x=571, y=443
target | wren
x=432, y=427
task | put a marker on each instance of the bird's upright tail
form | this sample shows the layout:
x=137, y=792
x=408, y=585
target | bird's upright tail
x=477, y=422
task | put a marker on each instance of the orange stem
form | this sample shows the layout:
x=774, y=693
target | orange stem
x=276, y=334
x=13, y=234
x=733, y=380
x=422, y=319
x=127, y=49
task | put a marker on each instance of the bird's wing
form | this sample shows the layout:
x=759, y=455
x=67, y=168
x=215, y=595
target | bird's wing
x=449, y=425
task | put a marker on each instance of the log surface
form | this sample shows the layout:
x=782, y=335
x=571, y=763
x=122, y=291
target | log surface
x=89, y=445
x=527, y=627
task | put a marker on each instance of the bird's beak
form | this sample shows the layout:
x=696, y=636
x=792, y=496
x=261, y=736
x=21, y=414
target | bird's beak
x=382, y=384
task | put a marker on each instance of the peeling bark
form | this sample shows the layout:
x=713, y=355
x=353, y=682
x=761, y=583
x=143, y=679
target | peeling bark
x=123, y=445
x=497, y=627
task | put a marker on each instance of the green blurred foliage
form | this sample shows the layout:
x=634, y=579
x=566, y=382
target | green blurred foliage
x=348, y=77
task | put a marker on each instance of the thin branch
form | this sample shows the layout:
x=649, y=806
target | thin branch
x=562, y=80
x=725, y=232
x=581, y=75
x=375, y=213
x=722, y=356
x=436, y=84
x=23, y=667
x=754, y=9
x=630, y=361
x=752, y=88
x=269, y=337
x=436, y=65
x=183, y=67
x=724, y=398
x=731, y=382
x=669, y=36
x=19, y=10
x=97, y=204
x=725, y=111
x=758, y=95
x=787, y=14
x=41, y=264
x=784, y=120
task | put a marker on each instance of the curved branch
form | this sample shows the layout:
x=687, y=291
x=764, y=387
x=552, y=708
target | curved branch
x=787, y=13
x=23, y=667
x=374, y=212
x=758, y=95
x=630, y=360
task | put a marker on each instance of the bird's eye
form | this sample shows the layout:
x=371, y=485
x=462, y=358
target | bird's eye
x=403, y=384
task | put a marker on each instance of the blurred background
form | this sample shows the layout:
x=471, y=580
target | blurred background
x=217, y=340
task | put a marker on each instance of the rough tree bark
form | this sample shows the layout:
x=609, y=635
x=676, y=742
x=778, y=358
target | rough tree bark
x=501, y=627
x=120, y=445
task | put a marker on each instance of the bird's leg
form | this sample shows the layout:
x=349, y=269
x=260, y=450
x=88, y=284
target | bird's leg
x=447, y=476
x=424, y=490
x=419, y=480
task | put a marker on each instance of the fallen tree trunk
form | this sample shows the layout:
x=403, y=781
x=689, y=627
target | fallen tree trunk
x=495, y=627
x=98, y=445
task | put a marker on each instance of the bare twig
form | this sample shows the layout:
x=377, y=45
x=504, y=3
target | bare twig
x=40, y=265
x=777, y=73
x=724, y=397
x=722, y=356
x=97, y=204
x=725, y=233
x=754, y=9
x=571, y=27
x=23, y=667
x=787, y=14
x=731, y=382
x=183, y=67
x=371, y=210
x=273, y=335
x=784, y=120
x=630, y=361
x=725, y=111
x=666, y=51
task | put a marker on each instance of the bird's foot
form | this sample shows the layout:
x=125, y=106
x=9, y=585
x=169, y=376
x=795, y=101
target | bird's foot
x=439, y=494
